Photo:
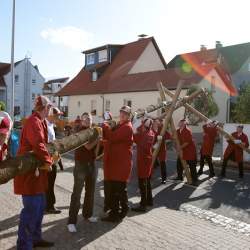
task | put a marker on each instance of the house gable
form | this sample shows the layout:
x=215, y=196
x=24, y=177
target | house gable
x=148, y=61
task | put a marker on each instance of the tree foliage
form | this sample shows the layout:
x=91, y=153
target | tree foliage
x=241, y=110
x=204, y=104
x=2, y=106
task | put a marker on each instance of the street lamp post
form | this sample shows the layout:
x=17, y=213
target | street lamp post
x=12, y=104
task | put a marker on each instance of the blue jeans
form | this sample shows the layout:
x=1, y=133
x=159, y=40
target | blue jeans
x=30, y=225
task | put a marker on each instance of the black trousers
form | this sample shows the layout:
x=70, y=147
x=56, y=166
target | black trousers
x=224, y=165
x=192, y=167
x=146, y=191
x=208, y=159
x=118, y=199
x=84, y=175
x=163, y=170
x=50, y=194
x=107, y=195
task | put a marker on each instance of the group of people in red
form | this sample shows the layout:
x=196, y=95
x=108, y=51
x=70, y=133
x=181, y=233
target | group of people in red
x=117, y=142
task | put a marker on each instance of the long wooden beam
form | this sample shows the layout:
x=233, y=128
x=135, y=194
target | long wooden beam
x=167, y=118
x=205, y=119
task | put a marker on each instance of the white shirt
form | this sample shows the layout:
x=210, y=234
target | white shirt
x=51, y=131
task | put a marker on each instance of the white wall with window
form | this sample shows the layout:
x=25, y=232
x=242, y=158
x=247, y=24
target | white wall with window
x=107, y=105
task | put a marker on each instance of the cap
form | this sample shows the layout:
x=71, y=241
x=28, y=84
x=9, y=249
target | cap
x=148, y=123
x=56, y=111
x=126, y=109
x=42, y=101
x=4, y=125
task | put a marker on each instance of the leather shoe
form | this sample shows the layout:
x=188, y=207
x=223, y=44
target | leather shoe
x=43, y=244
x=52, y=211
x=140, y=209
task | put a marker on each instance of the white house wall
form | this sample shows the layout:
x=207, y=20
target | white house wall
x=24, y=87
x=221, y=98
x=148, y=61
x=138, y=99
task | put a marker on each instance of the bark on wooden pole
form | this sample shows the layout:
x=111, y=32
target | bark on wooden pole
x=175, y=136
x=167, y=118
x=205, y=119
x=22, y=164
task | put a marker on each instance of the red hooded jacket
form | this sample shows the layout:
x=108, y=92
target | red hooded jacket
x=185, y=136
x=118, y=151
x=34, y=136
x=235, y=149
x=144, y=141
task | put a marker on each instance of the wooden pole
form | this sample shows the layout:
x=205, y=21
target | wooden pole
x=167, y=119
x=22, y=164
x=205, y=119
x=175, y=136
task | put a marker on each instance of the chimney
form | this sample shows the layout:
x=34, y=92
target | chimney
x=203, y=47
x=218, y=45
x=142, y=36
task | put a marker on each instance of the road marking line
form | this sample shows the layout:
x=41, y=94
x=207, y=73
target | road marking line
x=217, y=219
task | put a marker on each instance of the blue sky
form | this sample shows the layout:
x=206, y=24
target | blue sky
x=54, y=32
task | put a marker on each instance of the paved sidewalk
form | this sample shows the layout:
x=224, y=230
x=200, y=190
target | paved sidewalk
x=173, y=223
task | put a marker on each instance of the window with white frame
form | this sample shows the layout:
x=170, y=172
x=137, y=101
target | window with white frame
x=90, y=58
x=93, y=107
x=107, y=105
x=103, y=55
x=127, y=102
x=33, y=81
x=33, y=96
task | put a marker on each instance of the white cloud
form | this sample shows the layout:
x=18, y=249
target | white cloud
x=68, y=36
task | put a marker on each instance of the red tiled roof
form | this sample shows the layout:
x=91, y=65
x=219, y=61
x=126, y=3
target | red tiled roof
x=116, y=79
x=119, y=68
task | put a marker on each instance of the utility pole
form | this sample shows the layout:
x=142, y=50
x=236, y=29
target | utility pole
x=12, y=104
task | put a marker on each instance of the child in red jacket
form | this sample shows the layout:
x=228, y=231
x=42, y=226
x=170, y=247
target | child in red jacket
x=144, y=138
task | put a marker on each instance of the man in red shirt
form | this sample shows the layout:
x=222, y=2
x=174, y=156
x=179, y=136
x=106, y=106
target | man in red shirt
x=144, y=139
x=234, y=152
x=84, y=174
x=33, y=185
x=187, y=151
x=118, y=163
x=209, y=135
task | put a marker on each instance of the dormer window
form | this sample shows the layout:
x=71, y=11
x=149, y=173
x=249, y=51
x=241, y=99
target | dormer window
x=90, y=58
x=94, y=76
x=103, y=55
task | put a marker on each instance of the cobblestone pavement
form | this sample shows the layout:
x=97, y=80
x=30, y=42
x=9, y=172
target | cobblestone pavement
x=171, y=224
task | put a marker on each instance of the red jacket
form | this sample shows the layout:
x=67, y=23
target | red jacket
x=163, y=149
x=185, y=136
x=34, y=136
x=118, y=152
x=144, y=141
x=236, y=150
x=209, y=137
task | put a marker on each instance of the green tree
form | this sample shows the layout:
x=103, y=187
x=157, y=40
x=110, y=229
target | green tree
x=205, y=104
x=241, y=110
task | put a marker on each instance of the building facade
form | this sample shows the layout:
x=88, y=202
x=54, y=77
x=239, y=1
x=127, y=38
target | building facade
x=28, y=84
